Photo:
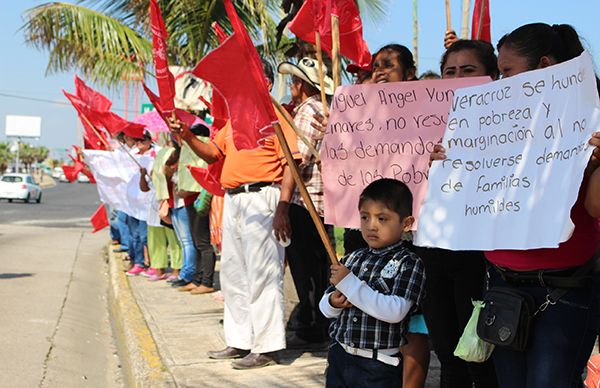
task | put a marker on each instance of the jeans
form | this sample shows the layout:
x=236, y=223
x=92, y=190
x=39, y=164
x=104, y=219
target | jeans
x=114, y=225
x=181, y=223
x=205, y=271
x=560, y=342
x=139, y=230
x=346, y=370
x=309, y=265
x=454, y=278
x=124, y=233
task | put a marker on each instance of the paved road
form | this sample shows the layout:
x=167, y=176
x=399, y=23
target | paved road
x=66, y=205
x=53, y=314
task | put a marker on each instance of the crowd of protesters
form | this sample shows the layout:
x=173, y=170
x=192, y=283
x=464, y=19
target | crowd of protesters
x=387, y=301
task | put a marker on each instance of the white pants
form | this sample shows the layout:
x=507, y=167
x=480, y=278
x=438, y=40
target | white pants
x=252, y=272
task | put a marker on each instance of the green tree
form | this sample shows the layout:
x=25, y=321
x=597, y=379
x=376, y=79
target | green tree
x=109, y=41
x=5, y=156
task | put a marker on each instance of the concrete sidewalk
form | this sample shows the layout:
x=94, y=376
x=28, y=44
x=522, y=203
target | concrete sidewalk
x=183, y=327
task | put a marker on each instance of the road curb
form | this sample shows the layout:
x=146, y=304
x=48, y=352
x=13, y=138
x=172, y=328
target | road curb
x=140, y=359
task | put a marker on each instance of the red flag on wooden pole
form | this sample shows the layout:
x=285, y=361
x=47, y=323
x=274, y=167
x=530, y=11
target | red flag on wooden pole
x=90, y=97
x=93, y=139
x=480, y=26
x=164, y=77
x=235, y=70
x=99, y=219
x=315, y=16
x=221, y=35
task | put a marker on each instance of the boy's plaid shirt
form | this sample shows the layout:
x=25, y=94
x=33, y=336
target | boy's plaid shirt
x=359, y=330
x=309, y=171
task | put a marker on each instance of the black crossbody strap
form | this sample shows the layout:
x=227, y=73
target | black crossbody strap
x=556, y=294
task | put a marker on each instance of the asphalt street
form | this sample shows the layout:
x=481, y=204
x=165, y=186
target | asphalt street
x=67, y=205
x=56, y=330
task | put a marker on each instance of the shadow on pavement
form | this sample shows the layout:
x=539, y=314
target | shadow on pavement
x=14, y=275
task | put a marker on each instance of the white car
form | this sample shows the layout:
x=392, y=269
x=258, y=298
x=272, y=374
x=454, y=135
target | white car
x=56, y=172
x=19, y=186
x=82, y=178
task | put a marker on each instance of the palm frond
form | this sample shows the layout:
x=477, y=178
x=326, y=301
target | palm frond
x=78, y=38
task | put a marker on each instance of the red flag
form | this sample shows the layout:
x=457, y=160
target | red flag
x=480, y=26
x=315, y=15
x=70, y=172
x=164, y=78
x=92, y=138
x=219, y=110
x=208, y=179
x=90, y=97
x=181, y=114
x=99, y=219
x=115, y=124
x=235, y=69
x=221, y=35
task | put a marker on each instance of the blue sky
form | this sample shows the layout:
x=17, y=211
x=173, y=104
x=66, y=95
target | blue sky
x=22, y=68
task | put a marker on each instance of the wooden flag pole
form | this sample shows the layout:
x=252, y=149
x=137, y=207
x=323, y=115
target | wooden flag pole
x=415, y=35
x=335, y=51
x=480, y=24
x=292, y=124
x=448, y=18
x=304, y=193
x=95, y=131
x=321, y=75
x=464, y=28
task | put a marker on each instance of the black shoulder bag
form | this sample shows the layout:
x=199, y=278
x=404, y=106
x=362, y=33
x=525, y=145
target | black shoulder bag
x=508, y=314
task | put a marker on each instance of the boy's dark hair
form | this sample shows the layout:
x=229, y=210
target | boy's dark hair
x=394, y=194
x=405, y=57
x=484, y=51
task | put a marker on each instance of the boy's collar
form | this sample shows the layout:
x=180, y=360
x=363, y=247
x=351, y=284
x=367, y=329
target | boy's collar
x=388, y=248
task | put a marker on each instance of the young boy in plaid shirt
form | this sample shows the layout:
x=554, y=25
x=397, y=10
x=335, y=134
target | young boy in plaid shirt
x=374, y=291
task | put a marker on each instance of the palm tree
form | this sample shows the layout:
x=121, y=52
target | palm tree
x=109, y=42
x=6, y=156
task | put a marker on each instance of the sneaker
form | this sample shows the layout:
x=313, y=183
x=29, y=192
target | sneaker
x=135, y=270
x=149, y=272
x=157, y=277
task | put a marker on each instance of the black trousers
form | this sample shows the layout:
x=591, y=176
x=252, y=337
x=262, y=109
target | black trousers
x=309, y=265
x=453, y=279
x=346, y=370
x=205, y=267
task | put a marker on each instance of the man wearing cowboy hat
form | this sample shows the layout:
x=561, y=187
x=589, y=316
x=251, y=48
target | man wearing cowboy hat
x=306, y=254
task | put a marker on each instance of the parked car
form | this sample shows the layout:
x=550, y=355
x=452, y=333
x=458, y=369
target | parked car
x=57, y=172
x=19, y=186
x=82, y=178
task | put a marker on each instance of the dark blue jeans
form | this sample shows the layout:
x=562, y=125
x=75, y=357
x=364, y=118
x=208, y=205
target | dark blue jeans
x=124, y=233
x=560, y=344
x=181, y=224
x=139, y=239
x=346, y=370
x=113, y=221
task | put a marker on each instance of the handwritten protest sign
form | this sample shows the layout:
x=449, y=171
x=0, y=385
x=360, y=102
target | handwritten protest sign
x=384, y=130
x=516, y=152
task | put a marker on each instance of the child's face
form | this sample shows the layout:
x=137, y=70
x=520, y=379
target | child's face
x=381, y=226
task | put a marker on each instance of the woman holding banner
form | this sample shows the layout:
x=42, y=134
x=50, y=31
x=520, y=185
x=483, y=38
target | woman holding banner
x=455, y=278
x=560, y=280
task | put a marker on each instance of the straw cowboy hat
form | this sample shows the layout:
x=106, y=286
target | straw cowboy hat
x=307, y=70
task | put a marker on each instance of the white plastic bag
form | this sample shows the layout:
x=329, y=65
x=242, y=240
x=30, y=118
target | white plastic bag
x=470, y=347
